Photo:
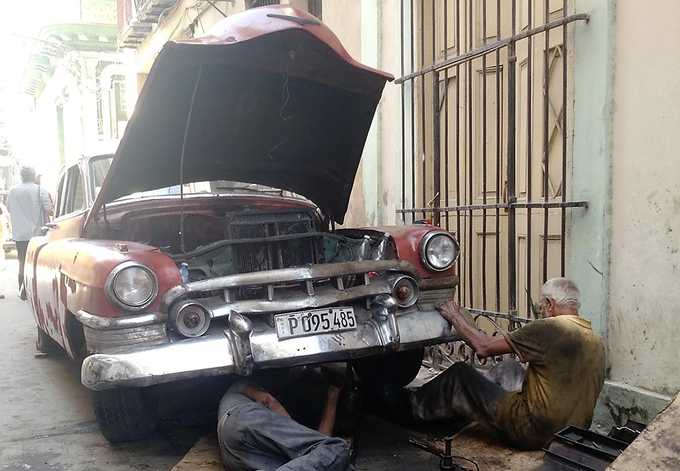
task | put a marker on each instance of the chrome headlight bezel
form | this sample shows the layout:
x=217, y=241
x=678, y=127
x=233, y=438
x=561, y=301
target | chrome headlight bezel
x=424, y=246
x=178, y=312
x=408, y=282
x=111, y=291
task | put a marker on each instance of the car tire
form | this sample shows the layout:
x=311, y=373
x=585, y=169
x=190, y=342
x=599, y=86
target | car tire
x=125, y=414
x=397, y=369
x=45, y=344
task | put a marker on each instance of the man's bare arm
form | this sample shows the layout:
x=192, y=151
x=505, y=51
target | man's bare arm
x=329, y=411
x=483, y=344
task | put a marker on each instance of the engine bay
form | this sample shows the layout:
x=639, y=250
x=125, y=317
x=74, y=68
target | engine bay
x=241, y=242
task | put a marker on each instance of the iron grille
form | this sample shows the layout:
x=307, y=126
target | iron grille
x=485, y=154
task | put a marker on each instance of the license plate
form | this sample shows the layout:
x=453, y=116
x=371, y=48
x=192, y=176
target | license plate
x=316, y=321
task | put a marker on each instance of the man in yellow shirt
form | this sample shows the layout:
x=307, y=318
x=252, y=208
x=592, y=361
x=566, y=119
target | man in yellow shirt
x=562, y=383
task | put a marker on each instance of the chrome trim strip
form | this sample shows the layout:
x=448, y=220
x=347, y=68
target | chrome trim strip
x=286, y=275
x=324, y=296
x=111, y=323
x=214, y=353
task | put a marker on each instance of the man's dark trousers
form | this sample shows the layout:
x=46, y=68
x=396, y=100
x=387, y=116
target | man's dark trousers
x=22, y=246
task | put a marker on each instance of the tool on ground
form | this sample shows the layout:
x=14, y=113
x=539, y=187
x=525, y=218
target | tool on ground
x=447, y=458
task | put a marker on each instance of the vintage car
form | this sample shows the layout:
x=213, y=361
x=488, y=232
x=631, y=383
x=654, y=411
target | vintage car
x=207, y=244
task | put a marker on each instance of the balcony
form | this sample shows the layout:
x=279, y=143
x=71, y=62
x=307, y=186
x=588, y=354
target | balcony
x=137, y=19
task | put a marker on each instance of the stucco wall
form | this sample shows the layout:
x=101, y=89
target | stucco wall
x=367, y=29
x=644, y=301
x=344, y=18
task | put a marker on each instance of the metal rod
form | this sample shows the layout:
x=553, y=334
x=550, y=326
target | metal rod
x=446, y=116
x=501, y=315
x=546, y=140
x=423, y=155
x=470, y=169
x=199, y=73
x=212, y=4
x=436, y=151
x=413, y=114
x=563, y=229
x=499, y=140
x=436, y=125
x=512, y=249
x=472, y=54
x=516, y=205
x=458, y=233
x=483, y=267
x=530, y=113
x=403, y=116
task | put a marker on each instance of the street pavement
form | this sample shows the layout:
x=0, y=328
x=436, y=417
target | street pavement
x=46, y=417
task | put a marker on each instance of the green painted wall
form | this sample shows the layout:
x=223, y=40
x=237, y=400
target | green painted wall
x=593, y=82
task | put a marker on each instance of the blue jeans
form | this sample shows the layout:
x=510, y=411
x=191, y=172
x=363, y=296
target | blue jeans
x=253, y=437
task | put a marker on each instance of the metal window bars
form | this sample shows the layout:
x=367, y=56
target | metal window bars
x=485, y=146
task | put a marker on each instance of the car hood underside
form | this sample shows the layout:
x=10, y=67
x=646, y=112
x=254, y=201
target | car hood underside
x=269, y=97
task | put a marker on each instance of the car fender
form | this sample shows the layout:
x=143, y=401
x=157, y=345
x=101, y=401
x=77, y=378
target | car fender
x=407, y=241
x=71, y=274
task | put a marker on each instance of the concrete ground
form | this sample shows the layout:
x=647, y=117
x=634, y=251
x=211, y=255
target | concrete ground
x=46, y=417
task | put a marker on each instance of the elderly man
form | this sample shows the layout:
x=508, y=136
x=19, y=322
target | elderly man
x=29, y=207
x=563, y=380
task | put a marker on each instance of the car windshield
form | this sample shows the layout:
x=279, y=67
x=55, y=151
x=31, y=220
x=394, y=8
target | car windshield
x=100, y=166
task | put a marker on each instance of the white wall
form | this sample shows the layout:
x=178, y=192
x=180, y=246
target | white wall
x=644, y=301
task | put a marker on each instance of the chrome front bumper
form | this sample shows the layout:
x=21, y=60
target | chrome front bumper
x=221, y=351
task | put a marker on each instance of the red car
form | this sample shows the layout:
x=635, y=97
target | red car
x=253, y=134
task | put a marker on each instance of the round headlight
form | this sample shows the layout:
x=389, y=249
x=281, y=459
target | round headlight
x=190, y=319
x=405, y=291
x=439, y=250
x=133, y=286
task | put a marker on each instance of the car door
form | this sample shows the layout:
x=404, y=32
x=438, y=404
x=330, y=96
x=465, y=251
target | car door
x=47, y=253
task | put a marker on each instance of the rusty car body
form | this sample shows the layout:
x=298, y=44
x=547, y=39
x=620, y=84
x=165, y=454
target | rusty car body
x=157, y=287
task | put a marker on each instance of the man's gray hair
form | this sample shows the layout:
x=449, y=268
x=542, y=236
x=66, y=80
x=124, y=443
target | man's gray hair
x=563, y=291
x=27, y=174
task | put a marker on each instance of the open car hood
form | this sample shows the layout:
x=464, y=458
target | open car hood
x=269, y=96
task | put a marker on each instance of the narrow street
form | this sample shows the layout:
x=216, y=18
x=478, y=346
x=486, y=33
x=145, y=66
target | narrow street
x=46, y=418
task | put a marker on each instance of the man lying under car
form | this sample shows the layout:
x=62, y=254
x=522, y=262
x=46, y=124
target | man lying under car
x=256, y=432
x=562, y=382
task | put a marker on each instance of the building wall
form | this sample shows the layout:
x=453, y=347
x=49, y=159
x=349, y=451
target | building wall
x=345, y=19
x=644, y=300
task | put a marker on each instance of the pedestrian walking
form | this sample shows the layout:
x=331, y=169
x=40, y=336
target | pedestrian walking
x=30, y=208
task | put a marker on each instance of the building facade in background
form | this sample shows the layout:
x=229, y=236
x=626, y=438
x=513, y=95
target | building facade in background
x=79, y=91
x=547, y=153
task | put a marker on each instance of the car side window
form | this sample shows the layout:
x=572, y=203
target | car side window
x=58, y=209
x=75, y=191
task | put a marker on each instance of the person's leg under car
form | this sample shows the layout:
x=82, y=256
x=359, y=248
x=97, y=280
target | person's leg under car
x=253, y=437
x=459, y=392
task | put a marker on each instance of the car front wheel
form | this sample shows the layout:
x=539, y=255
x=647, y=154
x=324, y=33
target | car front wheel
x=125, y=414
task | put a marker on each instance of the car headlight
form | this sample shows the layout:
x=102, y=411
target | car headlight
x=439, y=250
x=405, y=291
x=132, y=286
x=190, y=319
